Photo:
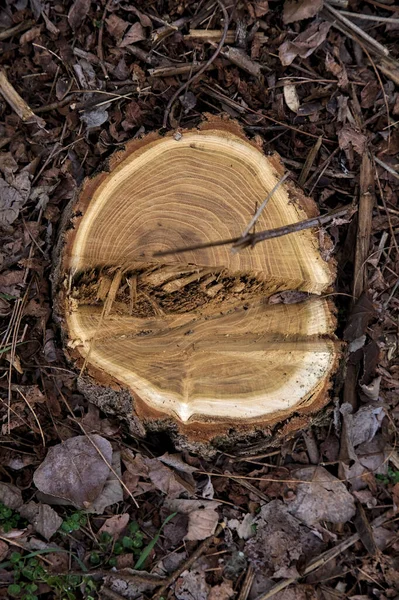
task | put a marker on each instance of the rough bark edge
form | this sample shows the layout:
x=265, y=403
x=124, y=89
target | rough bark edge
x=110, y=395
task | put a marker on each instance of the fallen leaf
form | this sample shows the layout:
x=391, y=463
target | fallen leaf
x=244, y=528
x=202, y=516
x=258, y=8
x=349, y=138
x=11, y=202
x=364, y=424
x=78, y=12
x=337, y=69
x=112, y=491
x=291, y=97
x=43, y=518
x=115, y=525
x=162, y=477
x=324, y=498
x=305, y=43
x=95, y=117
x=191, y=585
x=362, y=313
x=135, y=34
x=30, y=35
x=301, y=9
x=10, y=495
x=280, y=541
x=8, y=164
x=224, y=591
x=116, y=26
x=372, y=391
x=74, y=470
x=3, y=550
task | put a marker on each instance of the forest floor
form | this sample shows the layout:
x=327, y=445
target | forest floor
x=314, y=519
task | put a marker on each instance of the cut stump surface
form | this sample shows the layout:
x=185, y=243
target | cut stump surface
x=193, y=336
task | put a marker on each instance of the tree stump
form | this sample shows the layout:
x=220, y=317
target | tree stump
x=191, y=342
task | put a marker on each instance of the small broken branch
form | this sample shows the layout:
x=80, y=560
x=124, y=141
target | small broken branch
x=262, y=207
x=189, y=562
x=365, y=214
x=355, y=29
x=18, y=104
x=325, y=557
x=261, y=236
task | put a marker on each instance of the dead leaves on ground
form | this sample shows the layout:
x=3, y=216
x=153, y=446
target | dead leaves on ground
x=75, y=471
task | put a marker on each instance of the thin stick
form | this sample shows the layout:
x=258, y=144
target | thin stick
x=7, y=33
x=206, y=65
x=369, y=17
x=337, y=14
x=18, y=104
x=255, y=238
x=262, y=206
x=34, y=415
x=386, y=167
x=324, y=558
x=189, y=562
x=309, y=162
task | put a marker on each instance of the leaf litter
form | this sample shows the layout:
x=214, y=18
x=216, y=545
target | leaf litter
x=91, y=71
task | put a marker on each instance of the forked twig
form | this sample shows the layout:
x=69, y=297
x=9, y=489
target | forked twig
x=254, y=238
x=261, y=208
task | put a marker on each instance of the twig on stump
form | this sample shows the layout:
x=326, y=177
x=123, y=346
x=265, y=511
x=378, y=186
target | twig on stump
x=254, y=238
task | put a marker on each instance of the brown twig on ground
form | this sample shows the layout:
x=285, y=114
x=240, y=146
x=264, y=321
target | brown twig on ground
x=246, y=586
x=183, y=87
x=363, y=17
x=365, y=216
x=100, y=51
x=386, y=167
x=7, y=33
x=325, y=557
x=261, y=236
x=189, y=562
x=309, y=161
x=347, y=24
x=18, y=104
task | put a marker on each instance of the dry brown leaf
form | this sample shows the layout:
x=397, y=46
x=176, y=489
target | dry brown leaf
x=3, y=550
x=324, y=498
x=115, y=525
x=224, y=591
x=112, y=491
x=259, y=8
x=291, y=97
x=191, y=585
x=301, y=9
x=305, y=43
x=280, y=541
x=11, y=202
x=74, y=470
x=135, y=34
x=78, y=12
x=43, y=518
x=202, y=516
x=10, y=495
x=349, y=138
x=116, y=26
x=30, y=35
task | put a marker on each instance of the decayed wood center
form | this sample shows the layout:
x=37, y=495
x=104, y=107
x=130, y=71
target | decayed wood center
x=193, y=336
